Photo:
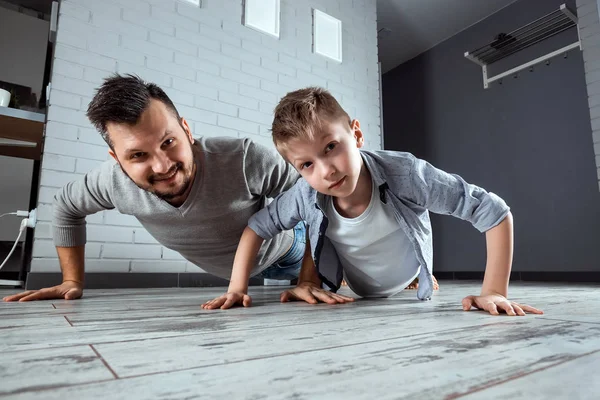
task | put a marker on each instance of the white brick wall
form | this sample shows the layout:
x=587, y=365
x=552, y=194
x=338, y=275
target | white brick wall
x=589, y=30
x=224, y=78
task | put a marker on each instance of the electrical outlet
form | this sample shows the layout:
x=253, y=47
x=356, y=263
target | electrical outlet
x=32, y=220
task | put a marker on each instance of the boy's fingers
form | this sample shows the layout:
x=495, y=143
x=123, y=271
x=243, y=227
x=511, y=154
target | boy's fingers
x=491, y=308
x=324, y=297
x=228, y=303
x=306, y=296
x=530, y=309
x=247, y=301
x=518, y=309
x=347, y=298
x=284, y=297
x=505, y=305
x=467, y=303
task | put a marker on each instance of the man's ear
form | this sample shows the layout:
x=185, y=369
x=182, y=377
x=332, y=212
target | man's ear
x=187, y=130
x=113, y=155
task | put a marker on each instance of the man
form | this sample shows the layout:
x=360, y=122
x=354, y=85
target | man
x=193, y=196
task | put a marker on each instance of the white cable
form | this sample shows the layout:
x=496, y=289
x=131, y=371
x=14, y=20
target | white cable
x=21, y=230
x=4, y=215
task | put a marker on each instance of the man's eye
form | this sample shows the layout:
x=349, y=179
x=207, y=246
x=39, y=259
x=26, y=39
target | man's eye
x=168, y=142
x=136, y=155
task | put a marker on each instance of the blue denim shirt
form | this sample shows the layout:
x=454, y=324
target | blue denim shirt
x=411, y=186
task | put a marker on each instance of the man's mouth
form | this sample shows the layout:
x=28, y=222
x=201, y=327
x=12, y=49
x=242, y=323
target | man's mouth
x=167, y=177
x=338, y=183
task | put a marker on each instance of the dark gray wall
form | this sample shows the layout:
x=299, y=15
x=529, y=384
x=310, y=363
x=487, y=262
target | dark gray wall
x=527, y=140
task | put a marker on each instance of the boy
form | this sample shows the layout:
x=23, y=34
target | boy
x=367, y=213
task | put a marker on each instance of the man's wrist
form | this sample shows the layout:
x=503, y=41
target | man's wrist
x=73, y=280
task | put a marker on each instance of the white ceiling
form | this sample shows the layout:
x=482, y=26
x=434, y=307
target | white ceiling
x=419, y=25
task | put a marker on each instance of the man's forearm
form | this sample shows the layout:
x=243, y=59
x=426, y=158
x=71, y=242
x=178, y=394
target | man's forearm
x=499, y=242
x=72, y=263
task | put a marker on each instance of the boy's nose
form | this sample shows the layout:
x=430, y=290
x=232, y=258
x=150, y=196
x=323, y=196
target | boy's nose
x=328, y=171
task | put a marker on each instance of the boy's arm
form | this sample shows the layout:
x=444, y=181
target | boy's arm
x=445, y=193
x=494, y=292
x=245, y=256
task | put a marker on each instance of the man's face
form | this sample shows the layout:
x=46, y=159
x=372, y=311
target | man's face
x=156, y=153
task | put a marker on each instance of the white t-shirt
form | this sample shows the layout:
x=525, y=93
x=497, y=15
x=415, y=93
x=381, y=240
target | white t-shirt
x=377, y=257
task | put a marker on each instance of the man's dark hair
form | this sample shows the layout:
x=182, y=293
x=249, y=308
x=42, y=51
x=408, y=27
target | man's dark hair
x=122, y=99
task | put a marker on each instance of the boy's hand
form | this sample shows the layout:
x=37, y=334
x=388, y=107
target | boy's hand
x=312, y=293
x=228, y=300
x=492, y=303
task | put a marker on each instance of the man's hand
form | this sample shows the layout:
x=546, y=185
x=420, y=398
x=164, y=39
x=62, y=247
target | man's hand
x=68, y=290
x=494, y=303
x=312, y=293
x=228, y=300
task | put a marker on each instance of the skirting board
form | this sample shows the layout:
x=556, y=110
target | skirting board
x=131, y=281
x=163, y=280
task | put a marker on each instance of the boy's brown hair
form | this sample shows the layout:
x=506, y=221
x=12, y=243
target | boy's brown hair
x=301, y=113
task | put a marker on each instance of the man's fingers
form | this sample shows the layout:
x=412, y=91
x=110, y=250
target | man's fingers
x=73, y=294
x=18, y=296
x=43, y=294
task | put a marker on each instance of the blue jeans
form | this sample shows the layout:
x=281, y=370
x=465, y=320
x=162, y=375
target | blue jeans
x=288, y=266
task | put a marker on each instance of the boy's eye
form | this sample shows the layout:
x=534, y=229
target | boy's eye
x=305, y=165
x=330, y=147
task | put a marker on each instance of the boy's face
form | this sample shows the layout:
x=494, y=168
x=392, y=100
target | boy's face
x=156, y=153
x=331, y=163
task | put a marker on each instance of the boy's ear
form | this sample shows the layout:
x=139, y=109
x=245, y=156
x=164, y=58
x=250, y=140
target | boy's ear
x=357, y=132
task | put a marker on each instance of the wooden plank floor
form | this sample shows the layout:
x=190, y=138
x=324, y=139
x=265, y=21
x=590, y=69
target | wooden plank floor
x=159, y=344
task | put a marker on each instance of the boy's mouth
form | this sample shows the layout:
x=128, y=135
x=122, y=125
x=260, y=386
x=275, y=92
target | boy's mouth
x=338, y=183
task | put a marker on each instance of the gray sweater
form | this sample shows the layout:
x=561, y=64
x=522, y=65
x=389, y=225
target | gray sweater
x=411, y=187
x=234, y=179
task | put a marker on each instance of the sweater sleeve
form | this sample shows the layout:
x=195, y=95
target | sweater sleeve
x=78, y=199
x=267, y=173
x=444, y=193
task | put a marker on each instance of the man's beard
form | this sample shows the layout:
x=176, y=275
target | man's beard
x=171, y=195
x=187, y=179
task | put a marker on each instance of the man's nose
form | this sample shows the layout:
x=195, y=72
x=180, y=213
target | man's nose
x=161, y=164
